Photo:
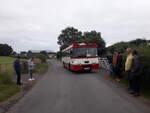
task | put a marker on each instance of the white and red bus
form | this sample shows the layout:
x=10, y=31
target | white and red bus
x=81, y=56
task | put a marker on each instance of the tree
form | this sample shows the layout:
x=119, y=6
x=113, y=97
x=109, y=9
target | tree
x=139, y=42
x=96, y=37
x=68, y=36
x=120, y=47
x=42, y=57
x=30, y=54
x=59, y=54
x=5, y=50
x=44, y=53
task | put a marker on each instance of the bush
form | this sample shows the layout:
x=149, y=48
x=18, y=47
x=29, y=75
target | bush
x=42, y=57
x=24, y=67
x=145, y=65
x=144, y=53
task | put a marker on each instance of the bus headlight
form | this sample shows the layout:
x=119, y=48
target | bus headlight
x=74, y=62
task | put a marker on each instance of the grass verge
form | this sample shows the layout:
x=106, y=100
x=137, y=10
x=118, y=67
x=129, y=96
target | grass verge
x=145, y=92
x=41, y=68
x=7, y=87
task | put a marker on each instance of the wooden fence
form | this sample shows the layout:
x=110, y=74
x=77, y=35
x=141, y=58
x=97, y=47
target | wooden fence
x=6, y=67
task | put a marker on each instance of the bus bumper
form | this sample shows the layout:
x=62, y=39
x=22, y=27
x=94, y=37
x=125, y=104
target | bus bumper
x=85, y=67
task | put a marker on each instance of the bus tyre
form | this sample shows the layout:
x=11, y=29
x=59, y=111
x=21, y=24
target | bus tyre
x=64, y=65
x=69, y=67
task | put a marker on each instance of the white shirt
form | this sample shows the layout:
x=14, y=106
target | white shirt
x=30, y=64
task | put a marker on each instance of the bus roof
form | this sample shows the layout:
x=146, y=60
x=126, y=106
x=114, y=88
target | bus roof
x=83, y=44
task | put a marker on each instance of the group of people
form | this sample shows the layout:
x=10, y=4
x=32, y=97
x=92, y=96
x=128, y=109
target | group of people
x=132, y=69
x=17, y=67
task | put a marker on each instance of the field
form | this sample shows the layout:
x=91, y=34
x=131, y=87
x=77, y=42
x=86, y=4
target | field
x=6, y=59
x=8, y=88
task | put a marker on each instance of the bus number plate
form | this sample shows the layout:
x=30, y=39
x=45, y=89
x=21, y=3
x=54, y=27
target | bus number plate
x=87, y=68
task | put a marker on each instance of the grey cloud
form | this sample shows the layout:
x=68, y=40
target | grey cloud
x=36, y=24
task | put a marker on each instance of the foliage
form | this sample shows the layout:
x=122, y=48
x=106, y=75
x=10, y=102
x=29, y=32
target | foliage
x=44, y=53
x=96, y=37
x=41, y=68
x=29, y=54
x=70, y=35
x=143, y=48
x=42, y=57
x=7, y=91
x=122, y=46
x=7, y=87
x=145, y=64
x=139, y=42
x=5, y=50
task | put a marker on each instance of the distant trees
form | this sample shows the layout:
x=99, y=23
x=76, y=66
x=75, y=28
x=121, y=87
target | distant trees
x=44, y=53
x=139, y=42
x=71, y=34
x=122, y=46
x=42, y=57
x=5, y=50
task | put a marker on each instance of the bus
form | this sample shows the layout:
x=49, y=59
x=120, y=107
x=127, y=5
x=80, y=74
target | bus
x=81, y=56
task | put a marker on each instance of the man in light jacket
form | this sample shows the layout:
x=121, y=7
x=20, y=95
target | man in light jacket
x=128, y=65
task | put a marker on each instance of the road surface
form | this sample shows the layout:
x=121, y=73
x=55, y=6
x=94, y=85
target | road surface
x=62, y=91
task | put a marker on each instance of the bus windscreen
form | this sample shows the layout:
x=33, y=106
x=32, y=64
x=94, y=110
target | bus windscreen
x=84, y=52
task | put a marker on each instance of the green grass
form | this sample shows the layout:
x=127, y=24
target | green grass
x=4, y=59
x=7, y=91
x=145, y=92
x=41, y=68
x=7, y=87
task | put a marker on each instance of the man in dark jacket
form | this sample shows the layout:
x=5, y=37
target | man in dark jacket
x=119, y=66
x=17, y=68
x=135, y=74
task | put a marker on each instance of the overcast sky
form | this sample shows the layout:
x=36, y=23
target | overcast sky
x=36, y=24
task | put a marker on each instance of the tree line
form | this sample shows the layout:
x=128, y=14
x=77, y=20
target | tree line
x=71, y=34
x=5, y=50
x=122, y=46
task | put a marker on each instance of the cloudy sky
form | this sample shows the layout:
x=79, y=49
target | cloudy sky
x=36, y=24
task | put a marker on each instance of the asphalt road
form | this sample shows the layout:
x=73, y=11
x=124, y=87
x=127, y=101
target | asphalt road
x=62, y=91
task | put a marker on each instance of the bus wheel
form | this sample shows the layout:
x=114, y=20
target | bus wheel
x=64, y=65
x=69, y=67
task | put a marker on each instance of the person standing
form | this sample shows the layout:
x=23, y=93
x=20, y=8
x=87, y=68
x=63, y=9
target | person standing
x=17, y=68
x=109, y=58
x=30, y=68
x=128, y=65
x=119, y=66
x=135, y=74
x=114, y=62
